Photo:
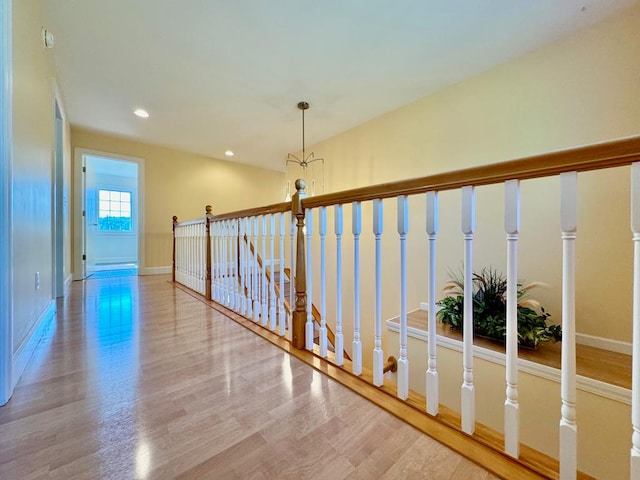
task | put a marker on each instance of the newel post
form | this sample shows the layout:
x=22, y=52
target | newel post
x=300, y=313
x=173, y=261
x=209, y=219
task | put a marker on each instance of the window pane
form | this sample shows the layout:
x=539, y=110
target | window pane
x=114, y=211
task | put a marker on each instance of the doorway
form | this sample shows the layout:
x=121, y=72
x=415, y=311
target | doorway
x=110, y=225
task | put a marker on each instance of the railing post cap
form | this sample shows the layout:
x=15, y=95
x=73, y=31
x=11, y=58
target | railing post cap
x=208, y=209
x=301, y=184
x=175, y=219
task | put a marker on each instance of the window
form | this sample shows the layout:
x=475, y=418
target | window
x=114, y=211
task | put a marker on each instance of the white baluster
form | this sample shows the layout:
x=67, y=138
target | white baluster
x=432, y=371
x=308, y=328
x=265, y=287
x=378, y=360
x=218, y=264
x=568, y=426
x=338, y=223
x=272, y=269
x=282, y=314
x=256, y=272
x=243, y=265
x=249, y=267
x=403, y=361
x=511, y=406
x=322, y=230
x=230, y=264
x=292, y=278
x=231, y=297
x=225, y=256
x=635, y=375
x=236, y=265
x=356, y=356
x=468, y=400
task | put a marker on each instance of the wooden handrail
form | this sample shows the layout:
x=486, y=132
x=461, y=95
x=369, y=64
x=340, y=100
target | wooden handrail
x=597, y=156
x=252, y=212
x=195, y=221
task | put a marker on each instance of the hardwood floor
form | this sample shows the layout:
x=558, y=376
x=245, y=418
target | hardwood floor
x=138, y=379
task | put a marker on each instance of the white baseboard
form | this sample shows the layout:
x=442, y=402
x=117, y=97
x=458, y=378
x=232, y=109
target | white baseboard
x=25, y=351
x=154, y=270
x=114, y=260
x=67, y=282
x=604, y=343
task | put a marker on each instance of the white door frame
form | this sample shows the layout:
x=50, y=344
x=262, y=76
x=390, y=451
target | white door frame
x=6, y=159
x=57, y=203
x=79, y=223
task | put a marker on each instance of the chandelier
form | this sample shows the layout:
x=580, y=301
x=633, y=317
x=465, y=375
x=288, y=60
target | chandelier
x=305, y=162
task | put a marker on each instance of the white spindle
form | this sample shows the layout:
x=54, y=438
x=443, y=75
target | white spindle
x=256, y=271
x=272, y=269
x=249, y=267
x=635, y=374
x=432, y=371
x=338, y=223
x=216, y=264
x=308, y=328
x=265, y=284
x=568, y=426
x=356, y=355
x=243, y=266
x=292, y=282
x=468, y=403
x=403, y=361
x=322, y=231
x=223, y=293
x=511, y=406
x=229, y=253
x=236, y=265
x=282, y=314
x=378, y=359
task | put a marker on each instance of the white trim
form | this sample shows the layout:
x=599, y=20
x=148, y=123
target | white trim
x=25, y=351
x=57, y=193
x=78, y=204
x=154, y=270
x=6, y=159
x=67, y=282
x=604, y=343
x=602, y=389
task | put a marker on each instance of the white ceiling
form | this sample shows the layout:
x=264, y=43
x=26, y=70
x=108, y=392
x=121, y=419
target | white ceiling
x=218, y=75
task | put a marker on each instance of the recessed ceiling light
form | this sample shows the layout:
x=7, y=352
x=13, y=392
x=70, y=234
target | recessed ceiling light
x=140, y=112
x=229, y=153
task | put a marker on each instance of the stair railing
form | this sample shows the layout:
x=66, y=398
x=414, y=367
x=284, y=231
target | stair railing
x=565, y=165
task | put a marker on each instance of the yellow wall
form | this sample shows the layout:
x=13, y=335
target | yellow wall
x=579, y=90
x=33, y=140
x=180, y=183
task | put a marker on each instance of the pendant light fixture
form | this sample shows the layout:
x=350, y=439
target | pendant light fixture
x=304, y=162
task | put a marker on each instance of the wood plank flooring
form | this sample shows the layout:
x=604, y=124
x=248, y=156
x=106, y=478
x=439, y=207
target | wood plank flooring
x=138, y=379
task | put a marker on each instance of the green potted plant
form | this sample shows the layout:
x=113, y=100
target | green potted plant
x=490, y=309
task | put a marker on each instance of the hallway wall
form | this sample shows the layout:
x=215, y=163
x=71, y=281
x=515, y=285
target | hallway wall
x=33, y=145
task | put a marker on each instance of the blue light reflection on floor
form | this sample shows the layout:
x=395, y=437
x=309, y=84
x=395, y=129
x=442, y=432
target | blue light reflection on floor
x=114, y=329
